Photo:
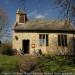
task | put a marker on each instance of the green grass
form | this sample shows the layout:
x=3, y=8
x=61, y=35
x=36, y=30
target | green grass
x=4, y=59
x=45, y=63
x=14, y=63
x=56, y=64
x=8, y=63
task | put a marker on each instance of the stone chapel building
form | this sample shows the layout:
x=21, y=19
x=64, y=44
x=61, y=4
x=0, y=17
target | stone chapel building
x=47, y=36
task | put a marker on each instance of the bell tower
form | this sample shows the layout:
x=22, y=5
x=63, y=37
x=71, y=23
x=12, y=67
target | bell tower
x=21, y=17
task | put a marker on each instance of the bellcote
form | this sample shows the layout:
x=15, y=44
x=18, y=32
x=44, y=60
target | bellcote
x=21, y=17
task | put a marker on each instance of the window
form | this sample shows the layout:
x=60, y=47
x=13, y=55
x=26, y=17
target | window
x=62, y=40
x=21, y=20
x=43, y=39
x=16, y=37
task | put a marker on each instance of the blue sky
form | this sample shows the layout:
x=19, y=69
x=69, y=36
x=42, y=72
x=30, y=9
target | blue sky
x=34, y=9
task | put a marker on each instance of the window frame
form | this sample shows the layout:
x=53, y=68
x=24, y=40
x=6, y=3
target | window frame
x=43, y=40
x=62, y=40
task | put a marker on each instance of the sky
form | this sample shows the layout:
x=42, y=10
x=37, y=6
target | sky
x=34, y=9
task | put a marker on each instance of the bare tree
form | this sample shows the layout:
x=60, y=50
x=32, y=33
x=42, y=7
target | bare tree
x=21, y=4
x=68, y=8
x=3, y=22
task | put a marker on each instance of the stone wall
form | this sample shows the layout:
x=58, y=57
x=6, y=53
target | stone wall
x=52, y=48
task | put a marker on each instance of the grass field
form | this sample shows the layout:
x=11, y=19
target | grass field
x=8, y=63
x=57, y=64
x=28, y=64
x=15, y=63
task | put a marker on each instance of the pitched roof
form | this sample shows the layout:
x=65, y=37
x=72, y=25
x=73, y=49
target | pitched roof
x=41, y=24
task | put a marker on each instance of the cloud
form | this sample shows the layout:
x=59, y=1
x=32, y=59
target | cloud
x=32, y=13
x=35, y=14
x=39, y=16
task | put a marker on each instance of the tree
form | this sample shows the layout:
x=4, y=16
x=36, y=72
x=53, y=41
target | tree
x=68, y=8
x=22, y=4
x=3, y=22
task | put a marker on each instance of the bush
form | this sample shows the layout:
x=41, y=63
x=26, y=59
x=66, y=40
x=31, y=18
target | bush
x=6, y=49
x=49, y=63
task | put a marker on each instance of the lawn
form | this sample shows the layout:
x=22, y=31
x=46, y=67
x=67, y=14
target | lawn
x=36, y=64
x=57, y=64
x=16, y=63
x=8, y=63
